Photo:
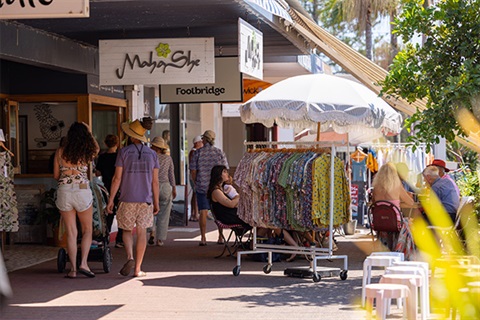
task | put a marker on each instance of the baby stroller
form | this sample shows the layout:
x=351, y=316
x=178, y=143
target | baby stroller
x=99, y=251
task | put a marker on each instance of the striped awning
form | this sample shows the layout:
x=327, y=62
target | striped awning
x=272, y=7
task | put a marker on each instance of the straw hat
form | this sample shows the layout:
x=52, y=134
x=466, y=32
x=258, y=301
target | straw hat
x=135, y=130
x=159, y=143
x=209, y=135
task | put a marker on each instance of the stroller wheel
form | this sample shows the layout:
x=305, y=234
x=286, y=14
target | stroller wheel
x=107, y=259
x=61, y=260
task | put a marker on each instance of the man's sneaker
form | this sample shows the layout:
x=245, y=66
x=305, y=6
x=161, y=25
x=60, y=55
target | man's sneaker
x=119, y=245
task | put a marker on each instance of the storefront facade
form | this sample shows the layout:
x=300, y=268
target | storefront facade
x=50, y=76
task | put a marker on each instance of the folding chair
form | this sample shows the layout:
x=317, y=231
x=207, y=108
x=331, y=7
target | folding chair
x=457, y=229
x=236, y=230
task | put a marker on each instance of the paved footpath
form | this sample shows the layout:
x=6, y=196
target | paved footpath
x=185, y=281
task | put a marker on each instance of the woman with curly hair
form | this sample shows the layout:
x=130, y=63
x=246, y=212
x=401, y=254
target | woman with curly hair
x=74, y=197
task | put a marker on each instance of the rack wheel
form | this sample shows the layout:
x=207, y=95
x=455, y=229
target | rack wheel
x=61, y=260
x=107, y=259
x=344, y=274
x=236, y=271
x=316, y=277
x=267, y=268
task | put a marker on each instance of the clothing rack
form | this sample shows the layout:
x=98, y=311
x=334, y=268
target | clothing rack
x=312, y=251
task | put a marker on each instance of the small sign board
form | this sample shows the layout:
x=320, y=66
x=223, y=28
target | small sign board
x=41, y=9
x=250, y=46
x=157, y=61
x=227, y=86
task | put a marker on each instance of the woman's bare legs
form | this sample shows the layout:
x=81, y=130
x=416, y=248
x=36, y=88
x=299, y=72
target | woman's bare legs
x=86, y=221
x=69, y=218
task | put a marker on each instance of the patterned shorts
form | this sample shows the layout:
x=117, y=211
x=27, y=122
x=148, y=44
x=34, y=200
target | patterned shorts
x=131, y=213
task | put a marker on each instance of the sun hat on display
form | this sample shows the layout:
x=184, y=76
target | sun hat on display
x=441, y=164
x=135, y=130
x=159, y=143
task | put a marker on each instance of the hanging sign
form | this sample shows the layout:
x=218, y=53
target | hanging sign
x=250, y=46
x=39, y=9
x=227, y=86
x=156, y=61
x=253, y=87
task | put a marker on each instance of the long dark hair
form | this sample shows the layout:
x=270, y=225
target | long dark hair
x=215, y=179
x=80, y=146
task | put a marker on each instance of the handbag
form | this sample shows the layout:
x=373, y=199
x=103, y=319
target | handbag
x=386, y=216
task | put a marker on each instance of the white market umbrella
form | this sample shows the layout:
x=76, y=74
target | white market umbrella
x=337, y=104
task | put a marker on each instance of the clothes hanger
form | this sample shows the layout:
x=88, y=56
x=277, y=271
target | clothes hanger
x=358, y=155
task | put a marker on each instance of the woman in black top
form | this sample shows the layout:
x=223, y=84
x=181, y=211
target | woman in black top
x=224, y=208
x=106, y=168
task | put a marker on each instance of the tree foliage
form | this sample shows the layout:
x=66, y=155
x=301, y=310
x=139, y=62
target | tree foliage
x=445, y=70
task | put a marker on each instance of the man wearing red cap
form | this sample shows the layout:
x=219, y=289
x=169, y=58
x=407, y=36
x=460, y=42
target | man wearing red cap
x=442, y=170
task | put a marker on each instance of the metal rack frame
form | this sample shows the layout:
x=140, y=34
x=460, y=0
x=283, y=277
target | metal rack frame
x=314, y=252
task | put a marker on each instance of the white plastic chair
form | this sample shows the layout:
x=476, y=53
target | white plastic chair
x=375, y=261
x=425, y=267
x=424, y=290
x=382, y=293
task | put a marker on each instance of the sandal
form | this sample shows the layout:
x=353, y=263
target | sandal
x=71, y=274
x=127, y=268
x=140, y=274
x=202, y=244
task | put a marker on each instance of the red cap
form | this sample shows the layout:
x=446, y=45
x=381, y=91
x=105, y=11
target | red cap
x=440, y=163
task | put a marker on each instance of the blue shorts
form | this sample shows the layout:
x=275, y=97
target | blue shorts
x=202, y=201
x=74, y=196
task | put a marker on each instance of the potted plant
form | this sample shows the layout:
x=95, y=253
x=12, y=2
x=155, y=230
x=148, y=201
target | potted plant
x=50, y=215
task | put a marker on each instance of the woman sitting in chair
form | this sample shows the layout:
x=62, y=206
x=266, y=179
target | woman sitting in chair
x=387, y=186
x=223, y=207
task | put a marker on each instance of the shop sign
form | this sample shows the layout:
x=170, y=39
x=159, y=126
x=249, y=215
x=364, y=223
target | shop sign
x=39, y=9
x=253, y=87
x=250, y=46
x=156, y=61
x=227, y=86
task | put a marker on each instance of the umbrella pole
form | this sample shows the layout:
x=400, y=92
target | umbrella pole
x=318, y=131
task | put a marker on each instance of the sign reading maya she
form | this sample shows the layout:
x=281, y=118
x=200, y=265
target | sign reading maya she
x=156, y=61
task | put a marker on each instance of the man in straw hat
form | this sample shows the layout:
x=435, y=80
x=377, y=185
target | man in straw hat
x=136, y=175
x=203, y=160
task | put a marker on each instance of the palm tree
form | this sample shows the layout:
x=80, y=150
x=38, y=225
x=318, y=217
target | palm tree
x=360, y=14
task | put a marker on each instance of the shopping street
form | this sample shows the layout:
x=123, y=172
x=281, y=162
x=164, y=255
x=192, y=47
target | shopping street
x=185, y=281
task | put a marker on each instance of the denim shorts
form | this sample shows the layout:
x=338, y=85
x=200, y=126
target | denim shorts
x=202, y=201
x=74, y=196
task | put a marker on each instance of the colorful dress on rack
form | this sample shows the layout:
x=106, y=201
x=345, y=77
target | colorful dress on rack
x=8, y=198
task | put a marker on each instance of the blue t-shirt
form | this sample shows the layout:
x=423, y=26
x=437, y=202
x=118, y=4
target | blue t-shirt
x=138, y=162
x=446, y=193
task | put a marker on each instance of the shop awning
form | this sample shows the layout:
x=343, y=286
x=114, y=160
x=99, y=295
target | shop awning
x=272, y=7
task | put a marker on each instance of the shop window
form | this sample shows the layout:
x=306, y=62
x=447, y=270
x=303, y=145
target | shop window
x=47, y=123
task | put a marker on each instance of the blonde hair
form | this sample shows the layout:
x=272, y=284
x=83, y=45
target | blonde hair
x=387, y=178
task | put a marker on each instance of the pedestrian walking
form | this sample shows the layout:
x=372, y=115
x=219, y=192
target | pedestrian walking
x=203, y=160
x=136, y=176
